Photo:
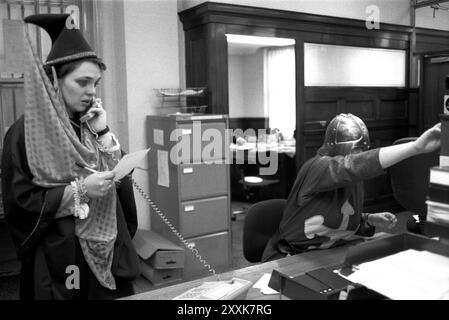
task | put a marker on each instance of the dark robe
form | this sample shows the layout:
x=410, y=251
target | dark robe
x=47, y=245
x=325, y=206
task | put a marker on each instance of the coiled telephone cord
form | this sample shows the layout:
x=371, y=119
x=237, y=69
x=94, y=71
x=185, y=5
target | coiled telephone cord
x=173, y=229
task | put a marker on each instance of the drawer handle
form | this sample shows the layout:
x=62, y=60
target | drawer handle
x=187, y=170
x=186, y=132
x=189, y=208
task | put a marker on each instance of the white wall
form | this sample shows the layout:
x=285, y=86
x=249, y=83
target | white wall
x=254, y=86
x=391, y=11
x=152, y=61
x=425, y=19
x=111, y=34
x=235, y=79
x=246, y=87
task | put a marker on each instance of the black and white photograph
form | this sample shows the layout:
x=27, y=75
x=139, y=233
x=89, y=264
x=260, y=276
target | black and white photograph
x=228, y=156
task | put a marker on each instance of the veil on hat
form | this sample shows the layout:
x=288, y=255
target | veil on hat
x=52, y=148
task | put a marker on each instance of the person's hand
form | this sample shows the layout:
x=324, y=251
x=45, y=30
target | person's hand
x=98, y=122
x=382, y=220
x=429, y=141
x=98, y=184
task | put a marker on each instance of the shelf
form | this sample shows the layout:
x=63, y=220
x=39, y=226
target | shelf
x=178, y=92
x=187, y=100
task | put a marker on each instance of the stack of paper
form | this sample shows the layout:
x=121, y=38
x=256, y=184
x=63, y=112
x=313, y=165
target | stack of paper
x=262, y=285
x=407, y=275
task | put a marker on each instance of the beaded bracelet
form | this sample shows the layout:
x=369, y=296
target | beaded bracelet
x=82, y=190
x=110, y=150
x=81, y=210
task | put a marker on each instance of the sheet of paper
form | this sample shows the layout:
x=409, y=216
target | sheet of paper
x=158, y=137
x=407, y=275
x=195, y=293
x=262, y=285
x=444, y=161
x=129, y=162
x=163, y=175
x=223, y=290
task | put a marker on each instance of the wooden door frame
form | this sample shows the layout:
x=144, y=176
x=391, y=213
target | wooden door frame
x=218, y=19
x=422, y=108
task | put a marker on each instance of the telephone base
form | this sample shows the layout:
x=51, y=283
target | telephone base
x=234, y=289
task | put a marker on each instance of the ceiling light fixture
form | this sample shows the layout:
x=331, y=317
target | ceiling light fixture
x=267, y=41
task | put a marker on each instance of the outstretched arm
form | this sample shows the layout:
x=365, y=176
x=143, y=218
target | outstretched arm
x=429, y=141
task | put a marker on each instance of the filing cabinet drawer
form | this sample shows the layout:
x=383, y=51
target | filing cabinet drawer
x=213, y=248
x=204, y=216
x=202, y=180
x=211, y=149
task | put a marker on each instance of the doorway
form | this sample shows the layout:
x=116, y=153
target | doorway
x=434, y=88
x=262, y=108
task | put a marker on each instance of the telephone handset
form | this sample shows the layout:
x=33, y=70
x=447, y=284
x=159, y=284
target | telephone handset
x=89, y=115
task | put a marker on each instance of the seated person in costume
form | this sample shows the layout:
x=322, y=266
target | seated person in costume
x=72, y=228
x=324, y=208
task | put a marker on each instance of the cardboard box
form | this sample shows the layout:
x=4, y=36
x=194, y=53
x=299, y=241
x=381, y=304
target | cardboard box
x=157, y=251
x=160, y=276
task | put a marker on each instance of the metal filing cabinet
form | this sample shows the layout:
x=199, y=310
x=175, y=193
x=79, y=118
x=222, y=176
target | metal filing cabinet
x=189, y=182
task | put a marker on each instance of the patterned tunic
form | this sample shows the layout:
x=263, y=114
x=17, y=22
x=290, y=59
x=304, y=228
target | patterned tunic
x=324, y=208
x=47, y=244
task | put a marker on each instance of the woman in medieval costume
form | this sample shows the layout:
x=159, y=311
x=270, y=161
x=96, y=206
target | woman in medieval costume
x=72, y=228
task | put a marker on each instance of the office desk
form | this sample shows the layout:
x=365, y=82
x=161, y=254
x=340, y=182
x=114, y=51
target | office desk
x=293, y=265
x=250, y=158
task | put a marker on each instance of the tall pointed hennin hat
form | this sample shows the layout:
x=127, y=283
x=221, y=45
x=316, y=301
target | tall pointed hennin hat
x=68, y=44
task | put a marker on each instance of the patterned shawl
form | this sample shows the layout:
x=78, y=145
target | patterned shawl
x=52, y=149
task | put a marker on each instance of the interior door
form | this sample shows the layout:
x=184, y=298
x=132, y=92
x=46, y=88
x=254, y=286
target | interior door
x=435, y=70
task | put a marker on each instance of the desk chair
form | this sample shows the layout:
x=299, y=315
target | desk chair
x=253, y=184
x=261, y=222
x=410, y=183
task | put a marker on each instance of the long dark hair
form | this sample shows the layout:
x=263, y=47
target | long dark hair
x=64, y=69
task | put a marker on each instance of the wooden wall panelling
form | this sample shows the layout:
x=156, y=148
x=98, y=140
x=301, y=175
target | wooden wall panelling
x=432, y=91
x=393, y=109
x=363, y=108
x=313, y=143
x=413, y=112
x=354, y=40
x=431, y=41
x=196, y=54
x=12, y=103
x=7, y=107
x=387, y=111
x=248, y=123
x=320, y=110
x=300, y=103
x=209, y=12
x=378, y=106
x=19, y=99
x=218, y=72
